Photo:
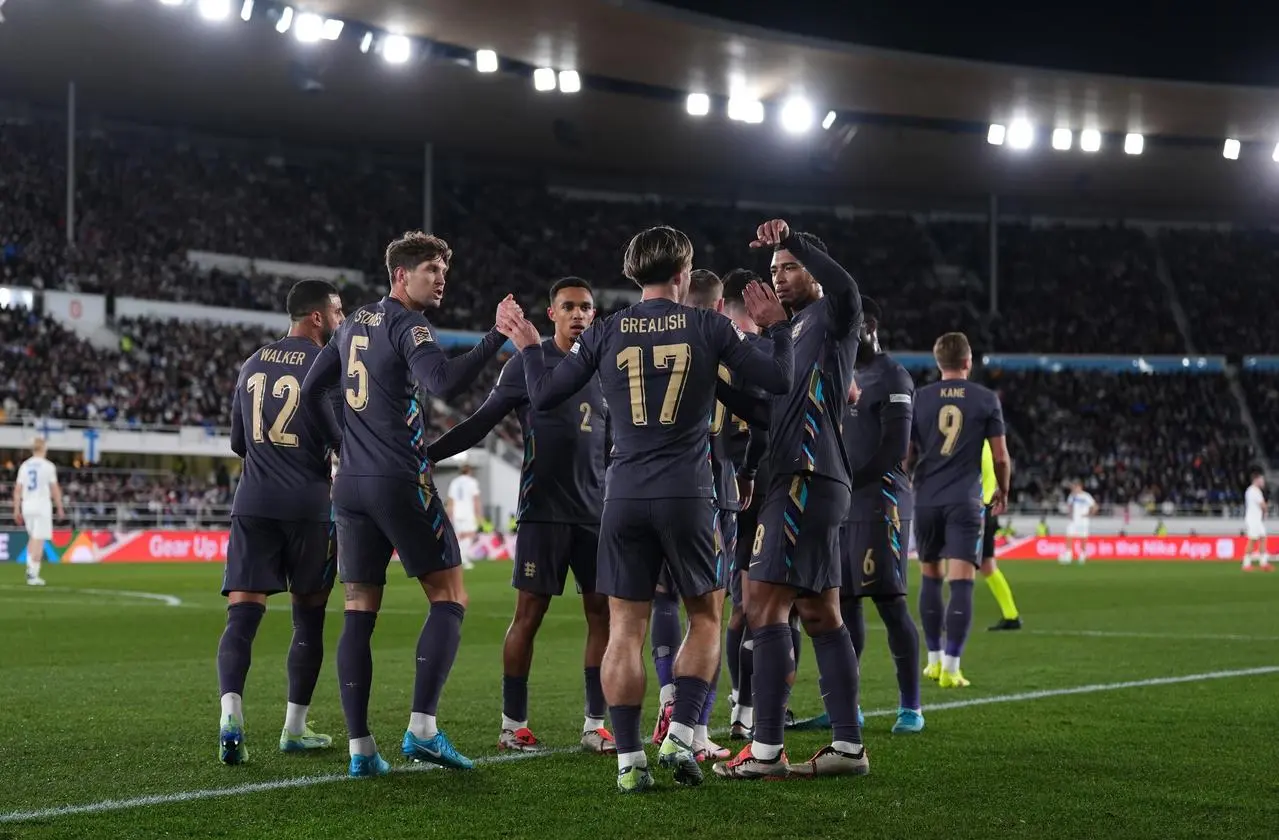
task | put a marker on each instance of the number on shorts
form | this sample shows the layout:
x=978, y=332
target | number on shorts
x=868, y=563
x=285, y=387
x=357, y=397
x=950, y=421
x=758, y=545
x=673, y=357
x=585, y=408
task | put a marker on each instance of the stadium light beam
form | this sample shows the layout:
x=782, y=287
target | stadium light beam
x=570, y=81
x=829, y=120
x=366, y=42
x=544, y=79
x=332, y=29
x=172, y=2
x=1090, y=140
x=1230, y=149
x=1021, y=135
x=246, y=11
x=308, y=28
x=486, y=61
x=745, y=110
x=698, y=104
x=797, y=115
x=996, y=134
x=214, y=11
x=1062, y=139
x=286, y=20
x=1134, y=144
x=396, y=49
x=1275, y=156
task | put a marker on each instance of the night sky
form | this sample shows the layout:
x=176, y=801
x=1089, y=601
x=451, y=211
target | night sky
x=1228, y=42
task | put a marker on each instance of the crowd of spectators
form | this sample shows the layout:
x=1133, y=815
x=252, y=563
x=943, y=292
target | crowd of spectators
x=1262, y=391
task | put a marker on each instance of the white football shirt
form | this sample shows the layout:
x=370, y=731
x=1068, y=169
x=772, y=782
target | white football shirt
x=1253, y=502
x=463, y=490
x=37, y=477
x=1080, y=504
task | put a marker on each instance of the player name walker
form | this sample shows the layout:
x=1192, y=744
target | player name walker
x=666, y=323
x=282, y=357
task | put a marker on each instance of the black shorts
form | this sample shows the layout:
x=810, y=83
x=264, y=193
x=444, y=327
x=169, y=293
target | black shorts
x=377, y=515
x=638, y=537
x=950, y=532
x=274, y=555
x=988, y=534
x=796, y=541
x=725, y=544
x=544, y=553
x=874, y=558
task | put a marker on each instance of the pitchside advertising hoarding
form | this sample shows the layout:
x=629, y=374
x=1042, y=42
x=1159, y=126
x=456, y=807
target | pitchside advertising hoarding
x=1105, y=547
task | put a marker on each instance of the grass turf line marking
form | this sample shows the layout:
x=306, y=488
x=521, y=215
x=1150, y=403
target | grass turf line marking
x=166, y=600
x=309, y=781
x=1137, y=634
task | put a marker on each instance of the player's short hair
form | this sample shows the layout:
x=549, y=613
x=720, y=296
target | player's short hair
x=309, y=296
x=952, y=350
x=1255, y=474
x=813, y=240
x=735, y=283
x=414, y=248
x=704, y=288
x=871, y=310
x=656, y=255
x=570, y=283
x=39, y=445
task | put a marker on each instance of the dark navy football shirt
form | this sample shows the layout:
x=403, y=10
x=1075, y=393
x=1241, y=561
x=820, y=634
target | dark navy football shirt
x=953, y=420
x=887, y=398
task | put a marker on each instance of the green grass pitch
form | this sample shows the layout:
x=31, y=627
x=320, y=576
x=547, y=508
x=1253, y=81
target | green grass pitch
x=110, y=698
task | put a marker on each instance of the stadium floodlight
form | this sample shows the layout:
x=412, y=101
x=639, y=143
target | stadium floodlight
x=308, y=27
x=995, y=134
x=544, y=79
x=570, y=81
x=1230, y=151
x=828, y=120
x=396, y=49
x=1021, y=134
x=366, y=42
x=1275, y=156
x=1062, y=138
x=214, y=10
x=486, y=61
x=332, y=29
x=173, y=2
x=246, y=11
x=1133, y=144
x=699, y=104
x=745, y=110
x=797, y=115
x=1090, y=140
x=286, y=20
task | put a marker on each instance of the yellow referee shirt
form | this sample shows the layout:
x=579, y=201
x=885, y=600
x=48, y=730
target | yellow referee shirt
x=989, y=484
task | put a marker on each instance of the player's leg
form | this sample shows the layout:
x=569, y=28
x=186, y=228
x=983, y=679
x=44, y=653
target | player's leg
x=743, y=720
x=664, y=635
x=254, y=569
x=1248, y=548
x=930, y=538
x=584, y=561
x=1010, y=619
x=311, y=555
x=733, y=641
x=962, y=550
x=39, y=526
x=726, y=539
x=538, y=574
x=630, y=560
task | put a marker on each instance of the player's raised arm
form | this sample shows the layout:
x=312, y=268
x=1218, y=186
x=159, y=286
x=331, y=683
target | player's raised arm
x=835, y=281
x=324, y=377
x=547, y=389
x=507, y=395
x=433, y=369
x=774, y=372
x=894, y=432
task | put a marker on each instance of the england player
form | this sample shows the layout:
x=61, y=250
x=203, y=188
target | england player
x=465, y=511
x=387, y=362
x=795, y=548
x=1009, y=617
x=561, y=496
x=877, y=437
x=953, y=419
x=658, y=362
x=1080, y=507
x=281, y=520
x=1254, y=521
x=36, y=497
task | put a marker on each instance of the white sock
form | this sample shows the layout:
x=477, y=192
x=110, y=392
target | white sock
x=847, y=747
x=700, y=735
x=422, y=726
x=632, y=759
x=33, y=566
x=667, y=694
x=950, y=664
x=591, y=724
x=732, y=698
x=362, y=746
x=295, y=718
x=766, y=752
x=1247, y=561
x=507, y=723
x=746, y=716
x=934, y=657
x=681, y=731
x=233, y=705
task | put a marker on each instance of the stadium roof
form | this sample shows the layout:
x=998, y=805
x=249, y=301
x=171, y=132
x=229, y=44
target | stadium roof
x=920, y=121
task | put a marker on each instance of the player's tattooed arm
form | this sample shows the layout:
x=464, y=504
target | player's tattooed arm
x=324, y=377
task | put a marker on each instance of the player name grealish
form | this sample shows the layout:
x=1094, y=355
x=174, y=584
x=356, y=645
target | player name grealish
x=952, y=393
x=666, y=323
x=282, y=357
x=371, y=319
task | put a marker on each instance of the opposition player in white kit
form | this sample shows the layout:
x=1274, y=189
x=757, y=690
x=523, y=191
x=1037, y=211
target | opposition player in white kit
x=465, y=512
x=1254, y=520
x=35, y=494
x=1080, y=506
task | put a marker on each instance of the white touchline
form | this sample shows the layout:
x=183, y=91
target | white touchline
x=167, y=600
x=308, y=781
x=1137, y=634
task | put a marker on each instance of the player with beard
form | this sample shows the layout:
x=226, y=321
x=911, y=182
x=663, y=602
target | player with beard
x=877, y=436
x=387, y=362
x=281, y=520
x=795, y=550
x=561, y=496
